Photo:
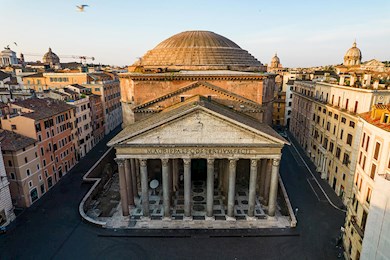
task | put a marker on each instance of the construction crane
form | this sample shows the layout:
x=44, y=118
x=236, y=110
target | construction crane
x=83, y=59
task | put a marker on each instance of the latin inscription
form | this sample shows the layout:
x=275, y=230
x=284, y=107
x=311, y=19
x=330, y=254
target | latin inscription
x=194, y=151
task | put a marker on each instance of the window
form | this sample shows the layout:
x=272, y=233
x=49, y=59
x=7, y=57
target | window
x=331, y=146
x=368, y=142
x=182, y=99
x=343, y=120
x=34, y=195
x=336, y=116
x=28, y=172
x=338, y=152
x=9, y=163
x=38, y=167
x=373, y=170
x=13, y=127
x=364, y=137
x=30, y=184
x=349, y=139
x=330, y=113
x=341, y=134
x=376, y=152
x=364, y=162
x=25, y=159
x=352, y=124
x=368, y=197
x=346, y=159
x=42, y=188
x=13, y=177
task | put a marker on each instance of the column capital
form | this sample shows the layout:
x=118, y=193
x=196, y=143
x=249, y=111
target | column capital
x=120, y=161
x=275, y=162
x=254, y=162
x=143, y=162
x=232, y=162
x=164, y=162
x=187, y=161
x=210, y=161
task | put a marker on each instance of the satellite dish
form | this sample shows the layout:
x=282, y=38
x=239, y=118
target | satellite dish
x=154, y=184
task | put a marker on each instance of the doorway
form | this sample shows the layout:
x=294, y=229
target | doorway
x=199, y=169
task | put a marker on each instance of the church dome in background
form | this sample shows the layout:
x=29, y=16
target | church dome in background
x=199, y=50
x=353, y=56
x=50, y=57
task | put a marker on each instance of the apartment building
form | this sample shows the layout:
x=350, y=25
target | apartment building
x=23, y=166
x=334, y=135
x=51, y=122
x=367, y=222
x=6, y=208
x=83, y=130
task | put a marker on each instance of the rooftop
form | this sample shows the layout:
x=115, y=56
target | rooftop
x=377, y=117
x=43, y=108
x=199, y=50
x=11, y=141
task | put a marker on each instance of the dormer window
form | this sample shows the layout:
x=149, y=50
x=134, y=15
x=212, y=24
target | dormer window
x=385, y=118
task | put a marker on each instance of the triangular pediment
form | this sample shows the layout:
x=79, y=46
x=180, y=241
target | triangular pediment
x=199, y=127
x=198, y=123
x=374, y=62
x=196, y=88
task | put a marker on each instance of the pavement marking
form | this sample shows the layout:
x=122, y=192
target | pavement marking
x=326, y=195
x=312, y=188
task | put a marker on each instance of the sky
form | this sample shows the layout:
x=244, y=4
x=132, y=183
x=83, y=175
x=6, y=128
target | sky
x=302, y=33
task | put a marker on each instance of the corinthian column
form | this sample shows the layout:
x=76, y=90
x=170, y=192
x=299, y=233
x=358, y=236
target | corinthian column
x=210, y=187
x=232, y=186
x=122, y=186
x=144, y=187
x=273, y=187
x=252, y=188
x=187, y=187
x=166, y=193
x=129, y=183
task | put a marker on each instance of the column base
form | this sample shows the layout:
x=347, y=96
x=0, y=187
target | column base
x=231, y=219
x=251, y=218
x=210, y=218
x=271, y=217
x=187, y=219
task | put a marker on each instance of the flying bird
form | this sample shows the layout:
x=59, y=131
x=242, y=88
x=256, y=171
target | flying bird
x=80, y=8
x=15, y=44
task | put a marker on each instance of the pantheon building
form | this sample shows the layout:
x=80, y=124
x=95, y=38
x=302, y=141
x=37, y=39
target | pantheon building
x=196, y=142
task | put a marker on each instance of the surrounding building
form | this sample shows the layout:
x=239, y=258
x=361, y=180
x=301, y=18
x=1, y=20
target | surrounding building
x=52, y=123
x=103, y=84
x=334, y=135
x=24, y=168
x=8, y=57
x=85, y=140
x=97, y=118
x=302, y=113
x=106, y=85
x=367, y=219
x=193, y=124
x=6, y=208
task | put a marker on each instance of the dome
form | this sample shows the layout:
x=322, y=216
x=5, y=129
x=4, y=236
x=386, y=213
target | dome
x=275, y=59
x=353, y=56
x=50, y=57
x=199, y=50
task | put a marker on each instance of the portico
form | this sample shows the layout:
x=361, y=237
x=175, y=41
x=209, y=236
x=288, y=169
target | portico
x=199, y=144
